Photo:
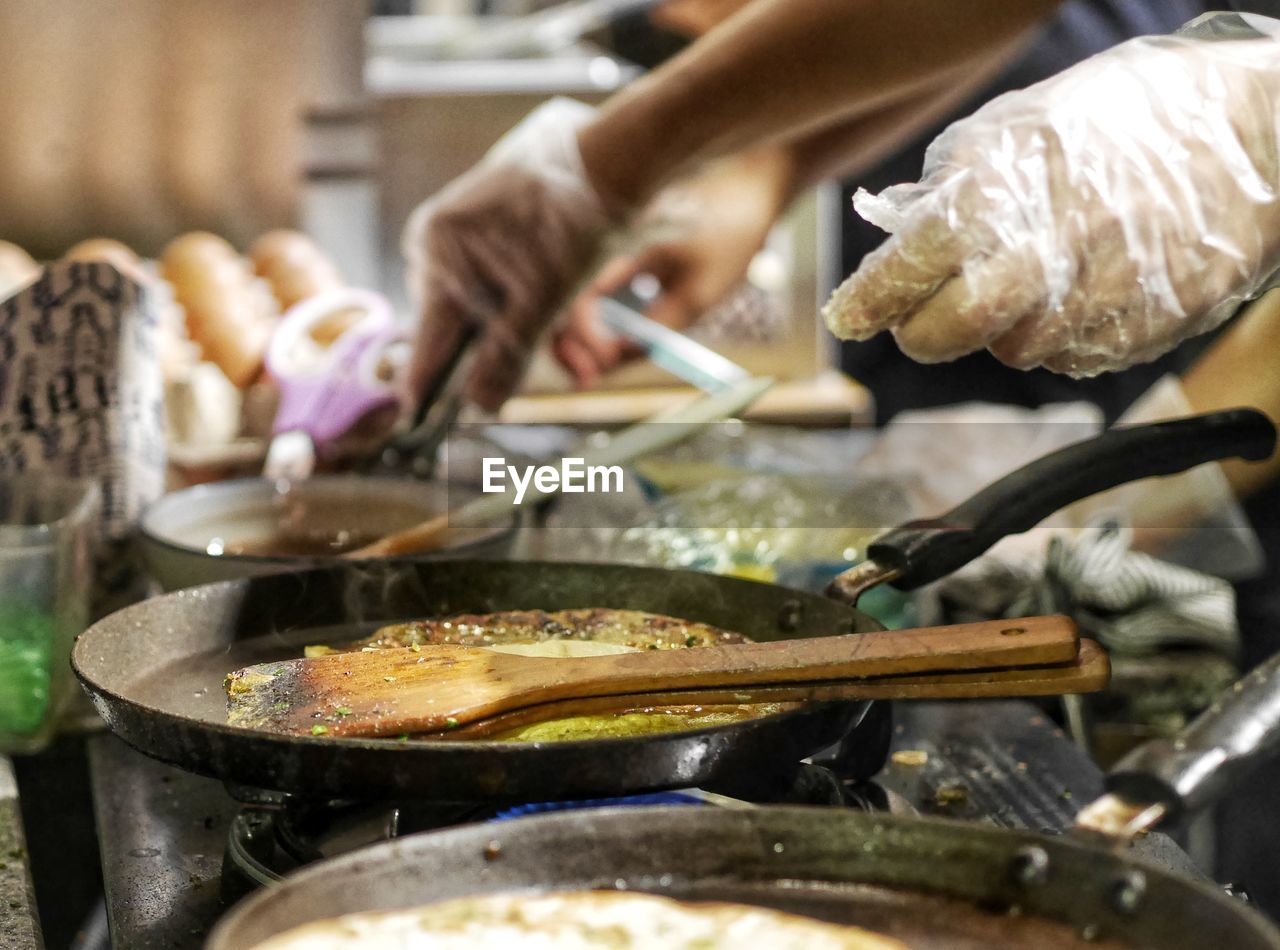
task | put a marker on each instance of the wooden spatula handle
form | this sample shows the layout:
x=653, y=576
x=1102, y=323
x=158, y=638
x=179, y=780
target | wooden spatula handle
x=1089, y=672
x=1030, y=641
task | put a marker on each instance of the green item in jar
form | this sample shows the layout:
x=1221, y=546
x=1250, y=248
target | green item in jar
x=26, y=638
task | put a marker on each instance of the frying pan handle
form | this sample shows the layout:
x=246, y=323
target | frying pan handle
x=1210, y=756
x=923, y=551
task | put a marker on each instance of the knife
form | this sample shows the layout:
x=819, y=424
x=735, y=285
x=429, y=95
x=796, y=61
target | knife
x=686, y=358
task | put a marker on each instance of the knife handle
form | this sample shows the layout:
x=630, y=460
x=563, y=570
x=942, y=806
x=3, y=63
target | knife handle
x=1211, y=755
x=923, y=551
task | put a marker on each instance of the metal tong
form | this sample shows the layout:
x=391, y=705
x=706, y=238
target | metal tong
x=622, y=312
x=418, y=445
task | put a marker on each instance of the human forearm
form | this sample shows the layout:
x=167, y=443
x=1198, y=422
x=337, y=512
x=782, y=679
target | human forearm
x=782, y=68
x=853, y=146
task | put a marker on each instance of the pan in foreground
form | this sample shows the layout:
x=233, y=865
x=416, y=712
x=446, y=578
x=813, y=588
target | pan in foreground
x=580, y=920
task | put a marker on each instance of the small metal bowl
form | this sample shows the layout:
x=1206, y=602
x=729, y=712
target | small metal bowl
x=186, y=534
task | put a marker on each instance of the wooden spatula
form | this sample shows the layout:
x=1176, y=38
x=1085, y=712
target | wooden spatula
x=391, y=692
x=1089, y=672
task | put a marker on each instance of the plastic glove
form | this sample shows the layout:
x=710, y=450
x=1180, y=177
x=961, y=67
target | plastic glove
x=1089, y=222
x=500, y=248
x=697, y=238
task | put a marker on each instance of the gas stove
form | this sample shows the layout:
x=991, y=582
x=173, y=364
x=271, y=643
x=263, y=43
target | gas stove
x=178, y=849
x=272, y=835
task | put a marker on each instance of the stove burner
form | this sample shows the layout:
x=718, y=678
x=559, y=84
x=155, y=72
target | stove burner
x=274, y=834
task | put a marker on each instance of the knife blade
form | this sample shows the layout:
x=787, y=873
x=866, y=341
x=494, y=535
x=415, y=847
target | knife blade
x=680, y=355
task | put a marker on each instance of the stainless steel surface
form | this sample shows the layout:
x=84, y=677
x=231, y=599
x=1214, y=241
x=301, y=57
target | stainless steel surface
x=19, y=922
x=1212, y=754
x=161, y=834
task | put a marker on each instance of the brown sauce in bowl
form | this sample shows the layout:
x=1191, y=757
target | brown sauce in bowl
x=303, y=544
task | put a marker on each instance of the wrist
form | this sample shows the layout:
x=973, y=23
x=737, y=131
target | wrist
x=618, y=176
x=777, y=166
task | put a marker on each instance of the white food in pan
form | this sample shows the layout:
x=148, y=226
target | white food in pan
x=582, y=920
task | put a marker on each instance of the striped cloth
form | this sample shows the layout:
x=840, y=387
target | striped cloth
x=1132, y=603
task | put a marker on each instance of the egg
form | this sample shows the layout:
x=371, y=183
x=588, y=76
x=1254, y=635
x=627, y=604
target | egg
x=228, y=315
x=189, y=256
x=294, y=266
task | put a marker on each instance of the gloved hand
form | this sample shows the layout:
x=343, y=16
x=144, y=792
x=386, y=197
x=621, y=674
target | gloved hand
x=697, y=238
x=1089, y=222
x=500, y=248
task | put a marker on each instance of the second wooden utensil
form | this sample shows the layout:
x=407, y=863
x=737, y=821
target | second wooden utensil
x=393, y=692
x=1089, y=672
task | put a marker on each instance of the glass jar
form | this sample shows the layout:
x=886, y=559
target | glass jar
x=47, y=526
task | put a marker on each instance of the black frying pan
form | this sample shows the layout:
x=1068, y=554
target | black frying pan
x=155, y=670
x=930, y=883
